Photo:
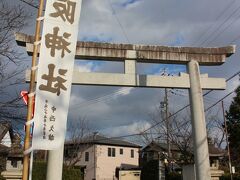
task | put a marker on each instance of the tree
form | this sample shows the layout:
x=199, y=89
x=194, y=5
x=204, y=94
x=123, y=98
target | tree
x=233, y=126
x=78, y=131
x=12, y=19
x=179, y=133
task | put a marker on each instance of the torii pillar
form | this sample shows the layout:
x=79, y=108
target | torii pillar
x=201, y=154
x=130, y=54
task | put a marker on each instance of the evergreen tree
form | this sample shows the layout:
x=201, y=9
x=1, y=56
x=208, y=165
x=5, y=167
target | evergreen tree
x=233, y=123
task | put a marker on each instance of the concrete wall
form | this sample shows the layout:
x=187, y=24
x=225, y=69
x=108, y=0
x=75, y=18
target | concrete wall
x=130, y=175
x=189, y=172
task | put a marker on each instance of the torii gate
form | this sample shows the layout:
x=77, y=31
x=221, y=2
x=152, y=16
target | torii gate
x=131, y=54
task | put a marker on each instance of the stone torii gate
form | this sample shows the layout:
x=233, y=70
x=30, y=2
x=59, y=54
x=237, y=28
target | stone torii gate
x=131, y=54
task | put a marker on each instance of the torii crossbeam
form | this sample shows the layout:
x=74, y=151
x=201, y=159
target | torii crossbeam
x=131, y=54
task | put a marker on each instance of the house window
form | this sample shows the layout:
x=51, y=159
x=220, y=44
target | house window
x=111, y=152
x=121, y=151
x=132, y=153
x=86, y=156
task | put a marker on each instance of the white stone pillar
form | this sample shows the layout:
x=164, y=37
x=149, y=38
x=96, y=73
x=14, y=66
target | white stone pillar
x=55, y=164
x=201, y=155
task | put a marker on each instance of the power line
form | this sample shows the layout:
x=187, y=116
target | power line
x=156, y=124
x=210, y=107
x=144, y=132
x=114, y=12
x=219, y=27
x=219, y=101
x=118, y=92
x=28, y=3
x=118, y=21
x=217, y=18
x=111, y=6
x=100, y=98
x=223, y=30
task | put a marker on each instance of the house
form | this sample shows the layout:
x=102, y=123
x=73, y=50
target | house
x=154, y=160
x=155, y=150
x=11, y=152
x=100, y=157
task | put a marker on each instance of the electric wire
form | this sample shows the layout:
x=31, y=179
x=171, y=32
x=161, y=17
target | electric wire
x=216, y=19
x=121, y=26
x=30, y=4
x=181, y=109
x=118, y=92
x=118, y=21
x=145, y=131
x=100, y=98
x=222, y=31
x=219, y=27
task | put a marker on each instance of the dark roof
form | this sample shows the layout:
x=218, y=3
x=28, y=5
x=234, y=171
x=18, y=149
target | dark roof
x=215, y=152
x=98, y=139
x=129, y=167
x=155, y=146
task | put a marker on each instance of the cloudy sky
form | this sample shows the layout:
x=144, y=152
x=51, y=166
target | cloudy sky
x=119, y=111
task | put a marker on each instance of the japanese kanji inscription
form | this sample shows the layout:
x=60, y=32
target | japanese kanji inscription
x=64, y=9
x=55, y=69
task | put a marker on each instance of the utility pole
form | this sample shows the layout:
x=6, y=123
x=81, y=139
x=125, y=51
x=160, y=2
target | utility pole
x=31, y=92
x=167, y=116
x=226, y=134
x=94, y=155
x=167, y=123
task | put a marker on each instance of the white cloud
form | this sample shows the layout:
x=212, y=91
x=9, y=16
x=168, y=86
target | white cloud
x=133, y=128
x=145, y=22
x=124, y=91
x=84, y=68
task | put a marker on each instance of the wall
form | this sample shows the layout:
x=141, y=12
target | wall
x=89, y=171
x=130, y=175
x=189, y=172
x=106, y=166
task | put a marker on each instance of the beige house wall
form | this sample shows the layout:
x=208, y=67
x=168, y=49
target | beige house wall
x=105, y=166
x=89, y=171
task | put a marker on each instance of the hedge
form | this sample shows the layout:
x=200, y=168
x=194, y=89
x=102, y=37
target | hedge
x=174, y=176
x=228, y=177
x=40, y=171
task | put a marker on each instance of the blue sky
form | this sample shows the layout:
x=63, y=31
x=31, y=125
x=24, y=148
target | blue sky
x=151, y=22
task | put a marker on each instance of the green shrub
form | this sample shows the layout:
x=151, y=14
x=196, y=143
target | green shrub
x=228, y=177
x=40, y=171
x=71, y=174
x=174, y=176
